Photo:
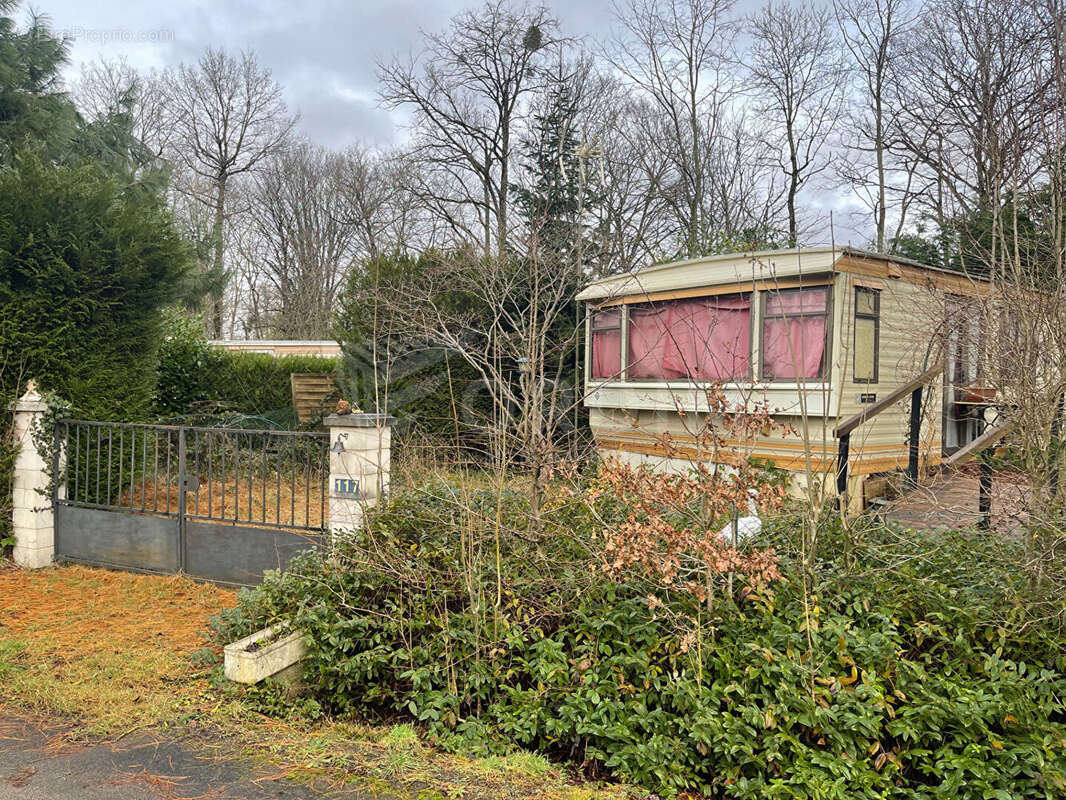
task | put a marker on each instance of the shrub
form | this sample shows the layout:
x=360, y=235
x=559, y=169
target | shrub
x=86, y=263
x=196, y=378
x=918, y=674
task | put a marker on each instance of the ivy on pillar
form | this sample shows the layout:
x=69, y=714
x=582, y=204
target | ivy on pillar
x=33, y=521
x=359, y=465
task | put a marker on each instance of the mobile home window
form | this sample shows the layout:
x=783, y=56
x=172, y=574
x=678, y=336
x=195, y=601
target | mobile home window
x=699, y=338
x=867, y=334
x=606, y=344
x=794, y=326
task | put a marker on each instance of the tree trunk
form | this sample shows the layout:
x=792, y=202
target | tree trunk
x=214, y=317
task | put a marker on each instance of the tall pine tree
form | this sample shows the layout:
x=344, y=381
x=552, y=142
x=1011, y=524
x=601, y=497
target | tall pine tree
x=558, y=193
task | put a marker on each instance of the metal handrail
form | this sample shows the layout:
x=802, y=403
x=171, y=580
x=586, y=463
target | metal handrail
x=890, y=399
x=843, y=431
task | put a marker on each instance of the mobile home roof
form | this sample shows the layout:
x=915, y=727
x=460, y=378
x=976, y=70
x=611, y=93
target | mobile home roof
x=752, y=267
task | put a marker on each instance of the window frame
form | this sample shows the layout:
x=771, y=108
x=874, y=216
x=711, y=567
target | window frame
x=823, y=369
x=875, y=317
x=593, y=329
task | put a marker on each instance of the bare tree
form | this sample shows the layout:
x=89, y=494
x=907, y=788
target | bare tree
x=465, y=93
x=109, y=87
x=972, y=100
x=228, y=115
x=874, y=32
x=678, y=54
x=796, y=70
x=305, y=243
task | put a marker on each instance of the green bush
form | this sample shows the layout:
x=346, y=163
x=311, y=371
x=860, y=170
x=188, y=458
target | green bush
x=918, y=673
x=193, y=377
x=86, y=263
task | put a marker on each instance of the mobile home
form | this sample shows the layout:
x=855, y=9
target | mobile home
x=820, y=335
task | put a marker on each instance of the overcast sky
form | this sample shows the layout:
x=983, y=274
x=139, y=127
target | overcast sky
x=322, y=52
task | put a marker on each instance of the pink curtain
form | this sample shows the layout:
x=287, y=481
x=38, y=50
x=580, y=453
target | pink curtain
x=711, y=338
x=606, y=345
x=702, y=338
x=649, y=340
x=794, y=347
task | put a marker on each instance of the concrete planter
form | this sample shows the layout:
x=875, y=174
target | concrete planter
x=248, y=661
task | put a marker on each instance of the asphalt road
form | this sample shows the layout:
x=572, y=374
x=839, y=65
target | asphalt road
x=37, y=763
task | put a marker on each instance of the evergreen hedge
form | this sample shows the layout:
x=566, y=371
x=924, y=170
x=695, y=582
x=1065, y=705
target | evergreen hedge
x=87, y=262
x=194, y=377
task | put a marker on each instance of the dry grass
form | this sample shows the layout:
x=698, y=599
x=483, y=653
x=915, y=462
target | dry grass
x=108, y=647
x=112, y=651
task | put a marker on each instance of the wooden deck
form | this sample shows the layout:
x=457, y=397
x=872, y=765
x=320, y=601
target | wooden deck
x=950, y=501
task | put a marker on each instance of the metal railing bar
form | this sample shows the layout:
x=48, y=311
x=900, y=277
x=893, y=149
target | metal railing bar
x=155, y=472
x=121, y=461
x=210, y=475
x=222, y=459
x=307, y=484
x=93, y=423
x=265, y=432
x=99, y=432
x=120, y=509
x=251, y=476
x=196, y=468
x=236, y=477
x=252, y=523
x=110, y=441
x=144, y=470
x=168, y=472
x=133, y=462
x=264, y=465
x=77, y=458
x=323, y=475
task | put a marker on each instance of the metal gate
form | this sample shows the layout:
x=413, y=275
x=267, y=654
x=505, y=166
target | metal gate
x=223, y=504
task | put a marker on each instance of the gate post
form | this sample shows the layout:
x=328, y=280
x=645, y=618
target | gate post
x=359, y=459
x=33, y=521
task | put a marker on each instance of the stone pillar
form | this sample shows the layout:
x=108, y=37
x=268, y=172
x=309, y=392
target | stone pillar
x=360, y=452
x=32, y=520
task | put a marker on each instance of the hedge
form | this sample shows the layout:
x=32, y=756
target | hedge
x=196, y=378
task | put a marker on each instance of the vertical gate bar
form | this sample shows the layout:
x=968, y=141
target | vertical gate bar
x=181, y=498
x=264, y=509
x=110, y=441
x=155, y=472
x=251, y=474
x=222, y=458
x=196, y=467
x=277, y=500
x=144, y=468
x=99, y=439
x=323, y=475
x=133, y=462
x=169, y=473
x=88, y=460
x=121, y=460
x=292, y=485
x=210, y=475
x=236, y=476
x=307, y=488
x=77, y=457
